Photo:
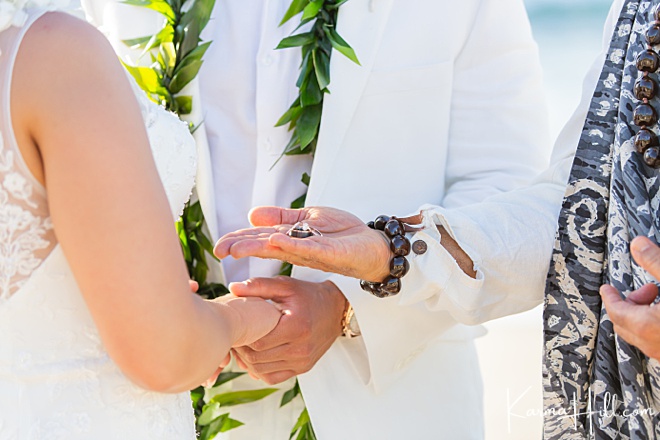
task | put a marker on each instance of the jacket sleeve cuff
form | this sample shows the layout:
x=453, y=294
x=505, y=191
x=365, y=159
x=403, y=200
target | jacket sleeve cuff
x=393, y=336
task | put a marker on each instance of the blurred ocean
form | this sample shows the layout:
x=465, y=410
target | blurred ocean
x=569, y=34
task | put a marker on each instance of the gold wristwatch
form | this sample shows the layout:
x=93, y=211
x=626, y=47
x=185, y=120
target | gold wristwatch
x=349, y=325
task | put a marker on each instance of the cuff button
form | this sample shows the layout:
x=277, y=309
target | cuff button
x=420, y=247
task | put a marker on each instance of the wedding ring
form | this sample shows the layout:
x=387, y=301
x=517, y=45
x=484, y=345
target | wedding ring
x=302, y=230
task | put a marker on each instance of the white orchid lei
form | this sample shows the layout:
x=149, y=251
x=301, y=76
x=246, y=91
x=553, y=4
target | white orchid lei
x=14, y=12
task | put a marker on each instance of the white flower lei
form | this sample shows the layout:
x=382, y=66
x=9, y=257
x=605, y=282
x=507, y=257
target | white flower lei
x=13, y=12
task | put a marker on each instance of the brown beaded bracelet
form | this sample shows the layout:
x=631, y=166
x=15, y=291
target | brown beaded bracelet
x=395, y=231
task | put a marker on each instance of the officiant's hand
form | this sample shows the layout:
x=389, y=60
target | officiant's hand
x=636, y=319
x=311, y=322
x=347, y=246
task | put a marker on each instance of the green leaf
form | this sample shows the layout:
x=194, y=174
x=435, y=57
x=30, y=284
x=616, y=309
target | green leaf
x=302, y=421
x=184, y=104
x=286, y=269
x=200, y=12
x=184, y=76
x=306, y=68
x=223, y=378
x=306, y=178
x=221, y=424
x=205, y=243
x=136, y=42
x=211, y=412
x=194, y=213
x=164, y=36
x=291, y=115
x=310, y=93
x=196, y=395
x=321, y=68
x=194, y=55
x=341, y=45
x=241, y=397
x=167, y=57
x=293, y=145
x=193, y=23
x=297, y=6
x=296, y=40
x=148, y=80
x=299, y=202
x=308, y=124
x=210, y=431
x=190, y=39
x=157, y=5
x=312, y=9
x=290, y=394
x=228, y=424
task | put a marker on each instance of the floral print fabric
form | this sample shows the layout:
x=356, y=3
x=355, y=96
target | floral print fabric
x=597, y=386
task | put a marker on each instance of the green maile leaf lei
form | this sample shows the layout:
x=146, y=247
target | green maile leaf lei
x=176, y=54
x=304, y=115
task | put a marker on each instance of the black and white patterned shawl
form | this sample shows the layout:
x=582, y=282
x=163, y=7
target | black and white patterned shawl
x=596, y=386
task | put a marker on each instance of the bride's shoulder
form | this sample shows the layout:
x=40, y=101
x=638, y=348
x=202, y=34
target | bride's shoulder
x=66, y=70
x=62, y=42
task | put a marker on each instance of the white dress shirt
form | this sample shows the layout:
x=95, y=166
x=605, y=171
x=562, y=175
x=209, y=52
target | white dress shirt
x=247, y=85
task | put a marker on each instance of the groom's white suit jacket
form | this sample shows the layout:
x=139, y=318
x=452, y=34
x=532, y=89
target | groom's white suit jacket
x=446, y=109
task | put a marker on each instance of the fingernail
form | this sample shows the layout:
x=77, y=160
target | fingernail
x=237, y=284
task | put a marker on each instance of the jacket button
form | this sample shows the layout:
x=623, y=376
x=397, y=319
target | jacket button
x=420, y=247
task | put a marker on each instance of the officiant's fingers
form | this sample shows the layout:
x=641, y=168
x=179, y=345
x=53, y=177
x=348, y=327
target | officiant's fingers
x=273, y=215
x=647, y=255
x=630, y=320
x=645, y=295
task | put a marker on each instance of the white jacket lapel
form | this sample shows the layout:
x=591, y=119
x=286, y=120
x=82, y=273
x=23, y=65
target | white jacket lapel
x=361, y=23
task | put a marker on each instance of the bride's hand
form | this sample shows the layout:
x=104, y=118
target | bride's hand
x=253, y=318
x=347, y=246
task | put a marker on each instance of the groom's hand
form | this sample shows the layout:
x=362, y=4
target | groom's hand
x=310, y=324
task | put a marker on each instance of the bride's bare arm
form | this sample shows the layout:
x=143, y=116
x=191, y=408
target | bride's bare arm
x=81, y=132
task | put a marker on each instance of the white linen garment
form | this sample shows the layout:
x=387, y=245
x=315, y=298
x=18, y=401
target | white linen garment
x=446, y=108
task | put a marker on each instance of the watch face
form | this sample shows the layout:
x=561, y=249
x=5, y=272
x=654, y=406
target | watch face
x=353, y=326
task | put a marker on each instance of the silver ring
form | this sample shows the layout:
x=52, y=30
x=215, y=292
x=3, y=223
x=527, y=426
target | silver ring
x=302, y=230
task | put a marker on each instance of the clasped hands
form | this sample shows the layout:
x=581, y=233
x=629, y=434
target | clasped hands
x=312, y=312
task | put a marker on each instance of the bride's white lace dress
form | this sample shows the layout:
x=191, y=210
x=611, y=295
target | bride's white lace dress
x=56, y=379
